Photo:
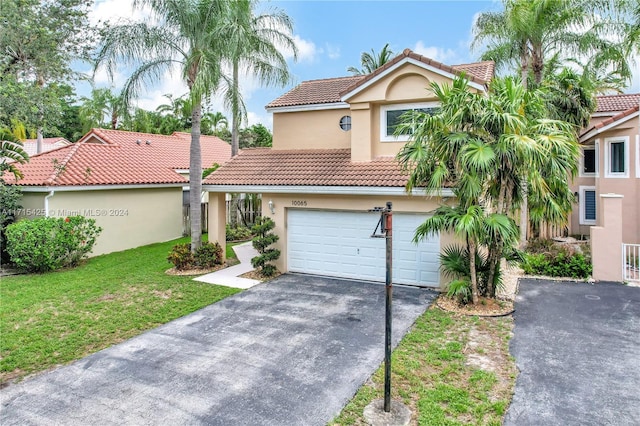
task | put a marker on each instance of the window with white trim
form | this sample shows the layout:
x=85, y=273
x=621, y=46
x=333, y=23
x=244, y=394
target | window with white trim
x=390, y=118
x=588, y=206
x=589, y=161
x=616, y=155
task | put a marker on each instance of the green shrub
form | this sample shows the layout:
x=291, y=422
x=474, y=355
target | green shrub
x=208, y=255
x=47, y=243
x=181, y=256
x=238, y=233
x=558, y=261
x=263, y=239
x=460, y=290
x=10, y=196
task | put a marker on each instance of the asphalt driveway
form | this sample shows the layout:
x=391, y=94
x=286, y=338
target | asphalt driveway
x=290, y=352
x=577, y=347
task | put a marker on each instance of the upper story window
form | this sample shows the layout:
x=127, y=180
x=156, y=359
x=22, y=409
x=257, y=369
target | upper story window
x=390, y=118
x=589, y=160
x=345, y=123
x=617, y=157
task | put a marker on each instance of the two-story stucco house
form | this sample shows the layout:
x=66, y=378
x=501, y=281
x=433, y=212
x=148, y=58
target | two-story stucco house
x=610, y=164
x=333, y=159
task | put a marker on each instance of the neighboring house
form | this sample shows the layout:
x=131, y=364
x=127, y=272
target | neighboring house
x=333, y=159
x=609, y=163
x=131, y=183
x=30, y=145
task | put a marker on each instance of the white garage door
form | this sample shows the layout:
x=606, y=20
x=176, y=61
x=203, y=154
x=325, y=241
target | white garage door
x=339, y=243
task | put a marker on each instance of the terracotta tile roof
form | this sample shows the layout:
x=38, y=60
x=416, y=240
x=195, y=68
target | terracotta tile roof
x=615, y=103
x=30, y=145
x=611, y=120
x=311, y=167
x=113, y=157
x=483, y=68
x=330, y=90
x=315, y=92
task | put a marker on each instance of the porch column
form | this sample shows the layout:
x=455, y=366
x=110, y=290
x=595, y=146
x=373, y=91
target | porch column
x=218, y=219
x=606, y=240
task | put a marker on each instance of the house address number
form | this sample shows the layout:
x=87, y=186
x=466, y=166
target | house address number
x=299, y=203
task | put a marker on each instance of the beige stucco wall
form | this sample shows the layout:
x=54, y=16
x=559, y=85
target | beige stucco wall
x=310, y=130
x=283, y=202
x=320, y=129
x=128, y=217
x=32, y=205
x=628, y=187
x=607, y=239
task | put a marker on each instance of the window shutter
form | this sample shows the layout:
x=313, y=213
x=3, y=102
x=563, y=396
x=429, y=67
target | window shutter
x=590, y=205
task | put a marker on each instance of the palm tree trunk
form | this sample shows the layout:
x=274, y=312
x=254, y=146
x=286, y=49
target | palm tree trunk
x=195, y=178
x=235, y=112
x=471, y=244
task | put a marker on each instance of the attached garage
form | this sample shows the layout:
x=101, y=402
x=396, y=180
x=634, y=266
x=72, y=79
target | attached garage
x=338, y=243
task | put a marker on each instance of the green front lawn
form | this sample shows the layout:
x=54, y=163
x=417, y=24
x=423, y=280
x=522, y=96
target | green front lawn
x=449, y=369
x=55, y=318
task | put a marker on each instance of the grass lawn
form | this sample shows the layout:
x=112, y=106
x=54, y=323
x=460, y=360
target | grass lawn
x=55, y=318
x=449, y=369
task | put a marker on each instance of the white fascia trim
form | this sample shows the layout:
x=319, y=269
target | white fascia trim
x=594, y=132
x=310, y=107
x=605, y=114
x=181, y=170
x=328, y=190
x=89, y=135
x=398, y=65
x=71, y=188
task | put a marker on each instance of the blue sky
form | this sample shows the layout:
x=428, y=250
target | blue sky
x=331, y=35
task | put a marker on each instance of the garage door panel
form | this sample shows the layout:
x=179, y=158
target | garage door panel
x=338, y=243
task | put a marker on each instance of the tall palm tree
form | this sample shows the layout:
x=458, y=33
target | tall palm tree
x=186, y=36
x=530, y=32
x=481, y=146
x=372, y=61
x=94, y=109
x=252, y=43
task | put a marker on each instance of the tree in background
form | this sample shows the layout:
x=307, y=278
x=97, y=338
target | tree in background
x=372, y=61
x=186, y=36
x=102, y=103
x=36, y=49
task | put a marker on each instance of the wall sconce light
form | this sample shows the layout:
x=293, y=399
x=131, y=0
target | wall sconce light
x=577, y=195
x=272, y=207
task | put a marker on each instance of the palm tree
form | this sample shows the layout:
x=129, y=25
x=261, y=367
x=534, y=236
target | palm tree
x=482, y=146
x=102, y=103
x=11, y=152
x=252, y=43
x=186, y=36
x=529, y=32
x=372, y=61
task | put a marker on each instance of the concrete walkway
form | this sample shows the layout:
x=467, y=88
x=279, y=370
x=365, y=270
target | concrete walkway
x=290, y=352
x=229, y=276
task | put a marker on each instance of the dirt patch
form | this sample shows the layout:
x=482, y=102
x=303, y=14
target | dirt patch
x=485, y=307
x=255, y=275
x=195, y=271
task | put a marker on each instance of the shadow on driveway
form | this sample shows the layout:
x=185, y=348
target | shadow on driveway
x=290, y=352
x=577, y=347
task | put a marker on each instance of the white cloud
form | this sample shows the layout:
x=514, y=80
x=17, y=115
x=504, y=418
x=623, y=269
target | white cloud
x=446, y=56
x=115, y=10
x=306, y=50
x=333, y=52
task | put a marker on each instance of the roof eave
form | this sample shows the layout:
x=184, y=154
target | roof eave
x=308, y=107
x=359, y=87
x=324, y=190
x=596, y=131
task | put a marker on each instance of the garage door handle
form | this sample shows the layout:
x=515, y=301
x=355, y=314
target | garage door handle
x=358, y=251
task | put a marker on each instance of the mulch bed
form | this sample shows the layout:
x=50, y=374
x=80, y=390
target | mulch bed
x=484, y=308
x=255, y=275
x=195, y=271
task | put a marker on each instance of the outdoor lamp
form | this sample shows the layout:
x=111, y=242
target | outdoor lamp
x=272, y=207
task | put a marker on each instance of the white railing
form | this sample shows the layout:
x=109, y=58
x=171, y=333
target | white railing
x=631, y=262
